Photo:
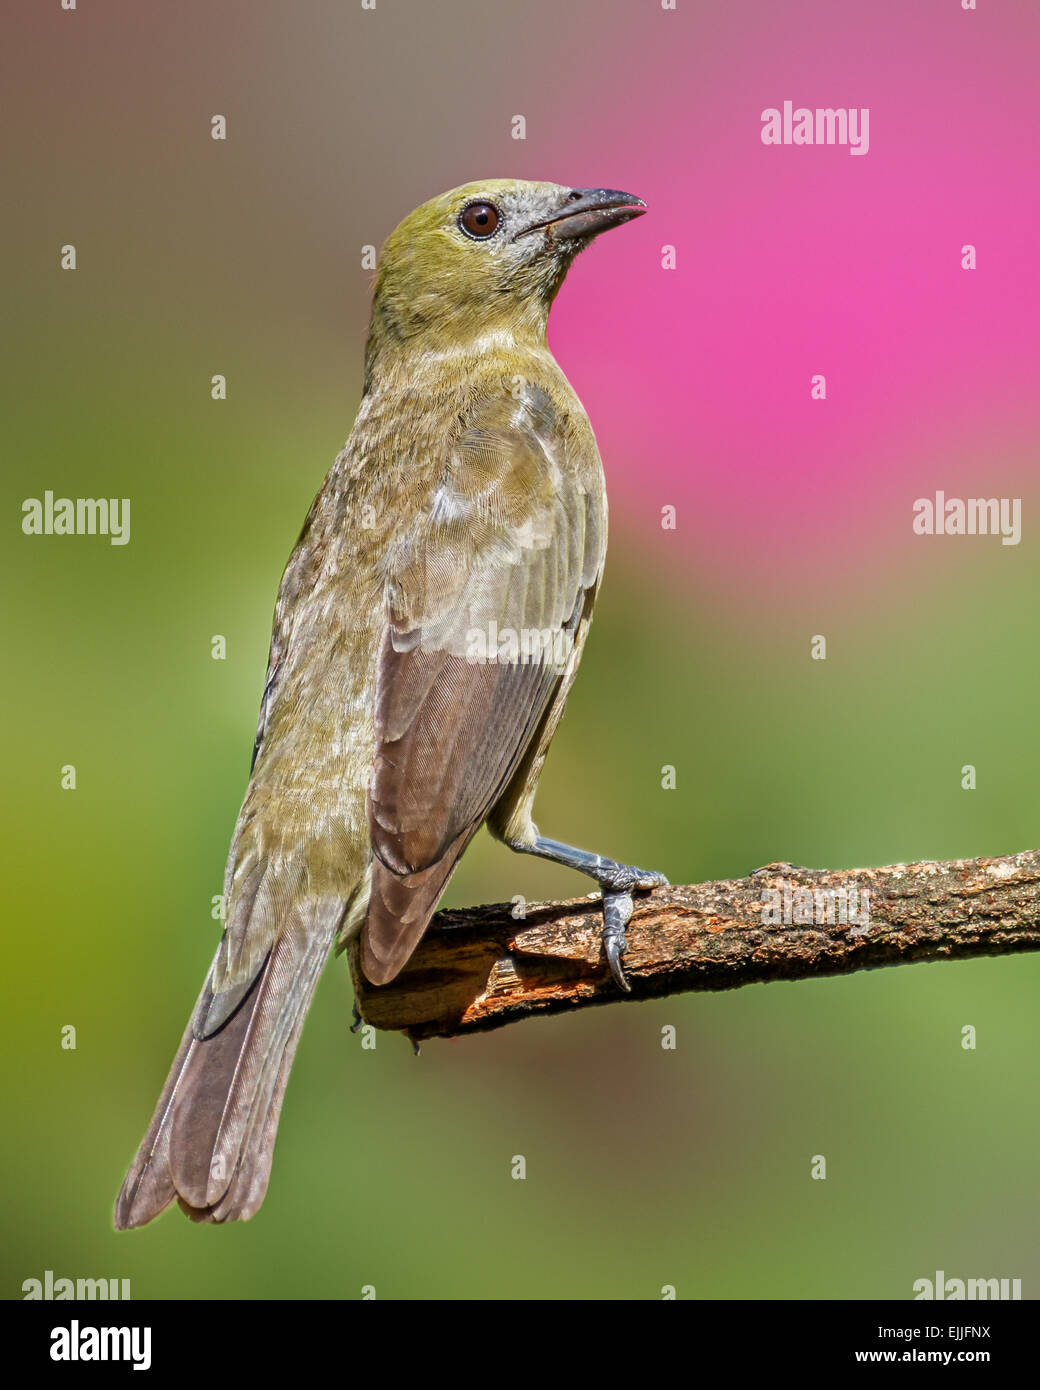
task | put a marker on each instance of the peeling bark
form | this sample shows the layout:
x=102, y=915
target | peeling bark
x=482, y=968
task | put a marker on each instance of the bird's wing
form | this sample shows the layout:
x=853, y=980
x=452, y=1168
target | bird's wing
x=485, y=595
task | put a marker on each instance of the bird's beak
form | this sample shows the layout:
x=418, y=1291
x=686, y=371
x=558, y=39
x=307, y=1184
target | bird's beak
x=588, y=211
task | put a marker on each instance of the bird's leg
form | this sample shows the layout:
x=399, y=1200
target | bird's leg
x=617, y=882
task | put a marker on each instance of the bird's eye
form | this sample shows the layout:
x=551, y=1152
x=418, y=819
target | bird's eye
x=479, y=220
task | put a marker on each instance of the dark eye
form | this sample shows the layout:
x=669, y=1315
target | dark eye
x=479, y=220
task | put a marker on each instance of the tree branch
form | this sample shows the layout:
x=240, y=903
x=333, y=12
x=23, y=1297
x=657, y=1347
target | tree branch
x=482, y=968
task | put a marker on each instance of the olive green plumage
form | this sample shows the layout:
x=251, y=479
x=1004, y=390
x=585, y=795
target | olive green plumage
x=468, y=501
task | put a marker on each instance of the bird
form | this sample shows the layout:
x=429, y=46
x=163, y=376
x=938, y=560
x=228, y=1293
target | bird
x=428, y=627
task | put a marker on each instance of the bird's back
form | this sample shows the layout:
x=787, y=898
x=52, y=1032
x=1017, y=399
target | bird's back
x=423, y=495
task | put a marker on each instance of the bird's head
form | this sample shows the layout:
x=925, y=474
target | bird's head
x=486, y=258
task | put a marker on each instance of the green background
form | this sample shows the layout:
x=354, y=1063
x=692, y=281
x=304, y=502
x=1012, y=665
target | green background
x=645, y=1167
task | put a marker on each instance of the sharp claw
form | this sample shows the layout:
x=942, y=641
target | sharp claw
x=617, y=909
x=614, y=949
x=357, y=1018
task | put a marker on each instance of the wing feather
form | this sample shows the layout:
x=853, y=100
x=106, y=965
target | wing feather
x=500, y=557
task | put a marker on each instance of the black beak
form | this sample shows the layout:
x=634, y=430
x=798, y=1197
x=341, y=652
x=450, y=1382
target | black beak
x=589, y=211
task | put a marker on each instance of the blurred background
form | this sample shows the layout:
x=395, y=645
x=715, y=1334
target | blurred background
x=243, y=257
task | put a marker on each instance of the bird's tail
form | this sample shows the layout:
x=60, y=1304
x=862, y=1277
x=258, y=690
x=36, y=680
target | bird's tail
x=212, y=1137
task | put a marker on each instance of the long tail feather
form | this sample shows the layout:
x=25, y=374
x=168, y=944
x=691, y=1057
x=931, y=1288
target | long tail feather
x=211, y=1139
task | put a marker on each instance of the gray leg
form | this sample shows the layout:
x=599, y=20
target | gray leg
x=617, y=882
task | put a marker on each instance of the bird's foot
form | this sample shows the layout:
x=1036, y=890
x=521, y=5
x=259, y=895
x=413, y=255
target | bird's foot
x=618, y=884
x=617, y=909
x=623, y=878
x=357, y=1018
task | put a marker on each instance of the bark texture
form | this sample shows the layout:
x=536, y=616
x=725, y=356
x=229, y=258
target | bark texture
x=482, y=968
